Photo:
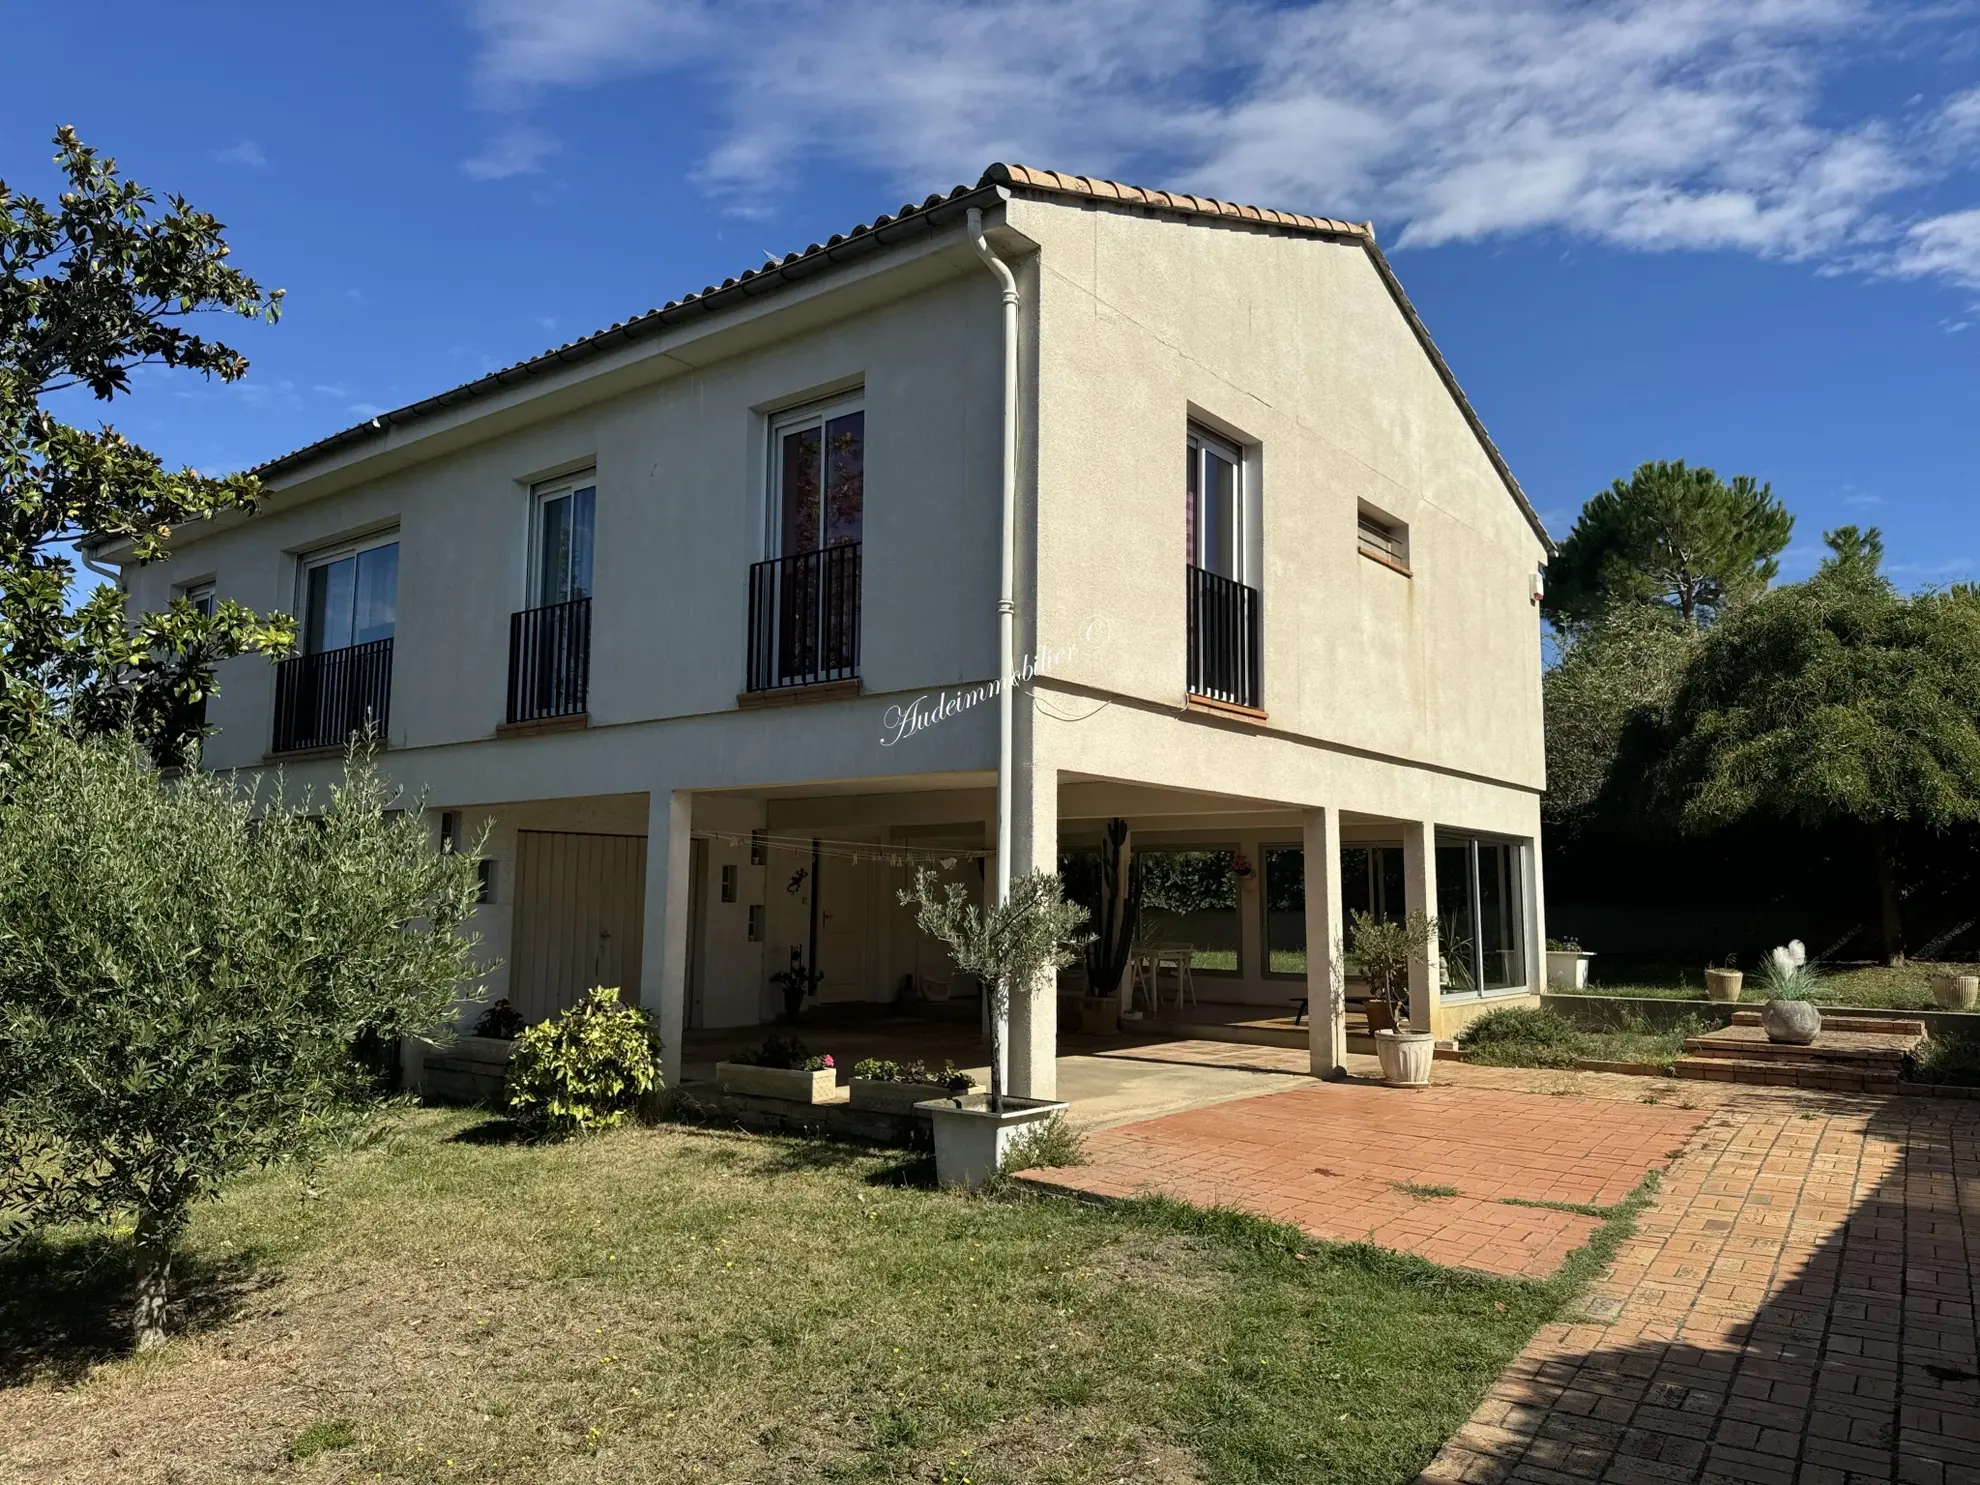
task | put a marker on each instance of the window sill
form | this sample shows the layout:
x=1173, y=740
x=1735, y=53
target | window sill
x=798, y=695
x=1213, y=707
x=575, y=722
x=312, y=755
x=1383, y=559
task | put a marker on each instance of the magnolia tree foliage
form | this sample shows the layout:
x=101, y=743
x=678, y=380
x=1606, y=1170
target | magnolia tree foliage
x=101, y=283
x=1034, y=931
x=1673, y=536
x=187, y=972
x=1835, y=701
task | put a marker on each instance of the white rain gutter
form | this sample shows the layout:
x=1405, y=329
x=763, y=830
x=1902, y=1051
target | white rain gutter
x=1007, y=593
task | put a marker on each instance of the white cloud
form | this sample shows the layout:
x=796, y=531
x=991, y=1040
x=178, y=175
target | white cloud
x=517, y=150
x=1641, y=123
x=1943, y=247
x=247, y=153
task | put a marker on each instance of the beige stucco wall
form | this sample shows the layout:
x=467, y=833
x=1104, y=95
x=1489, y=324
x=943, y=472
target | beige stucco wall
x=680, y=516
x=1295, y=346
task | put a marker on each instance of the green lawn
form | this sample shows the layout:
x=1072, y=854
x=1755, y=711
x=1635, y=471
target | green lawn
x=682, y=1304
x=1905, y=987
x=1544, y=1038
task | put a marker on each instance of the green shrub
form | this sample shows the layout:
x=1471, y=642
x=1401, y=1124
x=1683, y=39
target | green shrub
x=585, y=1070
x=882, y=1070
x=1950, y=1059
x=1046, y=1146
x=1521, y=1037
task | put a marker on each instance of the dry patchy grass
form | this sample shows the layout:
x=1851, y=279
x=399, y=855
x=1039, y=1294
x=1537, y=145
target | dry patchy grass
x=680, y=1304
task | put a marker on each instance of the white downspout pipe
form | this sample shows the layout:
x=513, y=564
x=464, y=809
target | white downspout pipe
x=1007, y=592
x=1006, y=626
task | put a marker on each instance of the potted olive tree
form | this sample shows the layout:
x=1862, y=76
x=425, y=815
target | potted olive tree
x=1383, y=952
x=1789, y=980
x=1033, y=932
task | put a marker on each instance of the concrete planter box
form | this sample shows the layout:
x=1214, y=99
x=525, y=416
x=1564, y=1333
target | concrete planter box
x=1955, y=992
x=1723, y=984
x=971, y=1142
x=1406, y=1057
x=791, y=1084
x=1567, y=969
x=880, y=1097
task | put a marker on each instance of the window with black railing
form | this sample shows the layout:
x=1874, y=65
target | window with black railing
x=804, y=618
x=550, y=661
x=1223, y=639
x=322, y=699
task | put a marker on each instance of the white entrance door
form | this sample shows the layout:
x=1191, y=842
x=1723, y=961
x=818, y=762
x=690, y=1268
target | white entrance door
x=580, y=909
x=846, y=927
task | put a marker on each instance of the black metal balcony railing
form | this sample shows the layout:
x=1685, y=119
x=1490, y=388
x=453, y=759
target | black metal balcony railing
x=804, y=618
x=321, y=699
x=1223, y=639
x=550, y=661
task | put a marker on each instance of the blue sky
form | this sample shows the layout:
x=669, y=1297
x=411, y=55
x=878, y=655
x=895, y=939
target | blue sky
x=1746, y=235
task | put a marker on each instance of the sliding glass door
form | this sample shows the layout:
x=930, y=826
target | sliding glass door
x=1481, y=913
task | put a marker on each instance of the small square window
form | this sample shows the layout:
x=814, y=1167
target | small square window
x=200, y=596
x=1382, y=538
x=450, y=830
x=728, y=884
x=756, y=848
x=485, y=870
x=756, y=922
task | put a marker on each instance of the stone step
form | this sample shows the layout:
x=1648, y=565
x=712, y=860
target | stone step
x=1816, y=1055
x=1835, y=1021
x=1834, y=1078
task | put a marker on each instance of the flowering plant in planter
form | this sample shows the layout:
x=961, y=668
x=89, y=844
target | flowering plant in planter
x=785, y=1052
x=950, y=1078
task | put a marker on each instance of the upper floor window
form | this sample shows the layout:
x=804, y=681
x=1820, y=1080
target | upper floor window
x=564, y=522
x=200, y=596
x=818, y=474
x=350, y=594
x=1382, y=538
x=1215, y=514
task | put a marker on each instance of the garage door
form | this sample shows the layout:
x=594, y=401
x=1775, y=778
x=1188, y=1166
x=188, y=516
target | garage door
x=580, y=905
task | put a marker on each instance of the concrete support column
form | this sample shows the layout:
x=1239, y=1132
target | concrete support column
x=1536, y=919
x=1034, y=847
x=1420, y=894
x=1326, y=974
x=664, y=949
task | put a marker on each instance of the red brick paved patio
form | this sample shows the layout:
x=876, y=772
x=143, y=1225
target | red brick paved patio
x=1797, y=1309
x=1328, y=1159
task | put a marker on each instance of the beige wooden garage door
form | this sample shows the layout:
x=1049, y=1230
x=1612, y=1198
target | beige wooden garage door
x=580, y=904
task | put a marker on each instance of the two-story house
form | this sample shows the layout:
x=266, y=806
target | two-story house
x=700, y=611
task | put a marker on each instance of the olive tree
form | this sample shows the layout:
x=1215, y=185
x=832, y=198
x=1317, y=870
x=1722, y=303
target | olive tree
x=189, y=974
x=1032, y=932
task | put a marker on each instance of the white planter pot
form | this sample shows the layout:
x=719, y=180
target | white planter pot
x=1406, y=1057
x=1567, y=969
x=893, y=1098
x=1723, y=984
x=1955, y=992
x=1795, y=1023
x=792, y=1084
x=971, y=1142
